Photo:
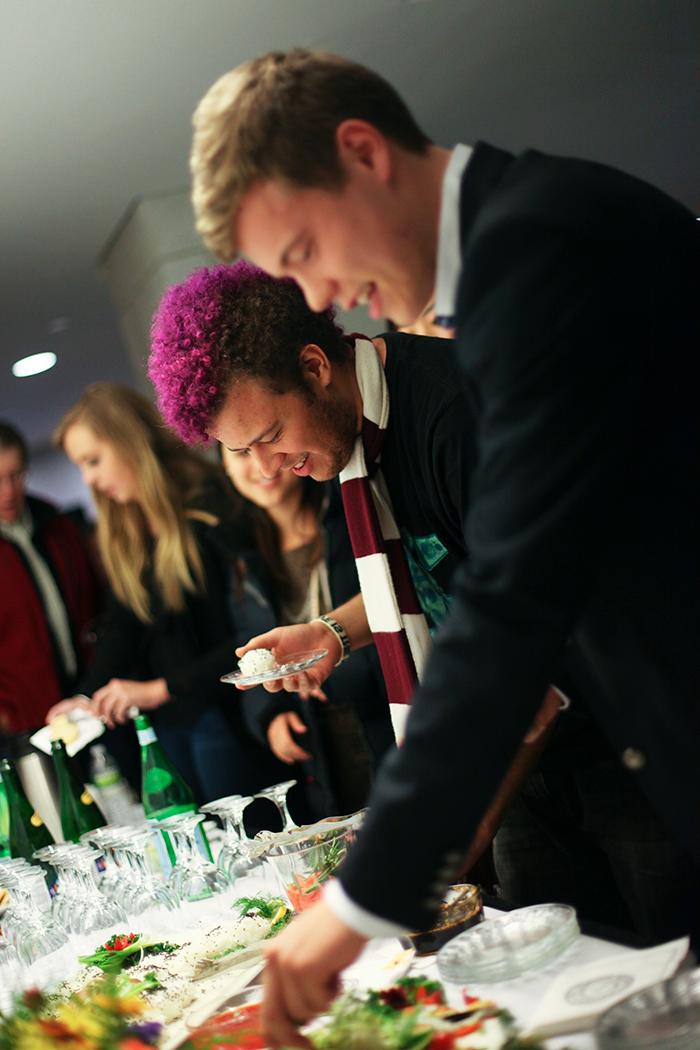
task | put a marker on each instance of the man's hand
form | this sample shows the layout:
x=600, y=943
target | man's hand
x=64, y=707
x=296, y=639
x=112, y=702
x=302, y=975
x=282, y=743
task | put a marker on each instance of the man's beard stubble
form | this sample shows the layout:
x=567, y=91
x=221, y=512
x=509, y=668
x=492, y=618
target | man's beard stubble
x=337, y=428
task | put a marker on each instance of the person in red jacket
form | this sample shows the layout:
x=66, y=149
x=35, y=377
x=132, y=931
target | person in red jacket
x=49, y=598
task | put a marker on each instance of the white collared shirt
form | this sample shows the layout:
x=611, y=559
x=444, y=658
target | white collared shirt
x=20, y=533
x=449, y=255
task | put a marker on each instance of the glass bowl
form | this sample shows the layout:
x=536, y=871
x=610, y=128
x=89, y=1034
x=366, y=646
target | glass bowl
x=665, y=1016
x=461, y=909
x=302, y=866
x=509, y=945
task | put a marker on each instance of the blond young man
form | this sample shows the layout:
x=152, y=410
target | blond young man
x=572, y=288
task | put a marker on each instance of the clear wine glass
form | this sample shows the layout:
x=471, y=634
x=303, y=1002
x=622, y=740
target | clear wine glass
x=144, y=890
x=96, y=911
x=234, y=856
x=10, y=973
x=192, y=878
x=277, y=793
x=79, y=906
x=32, y=931
x=107, y=874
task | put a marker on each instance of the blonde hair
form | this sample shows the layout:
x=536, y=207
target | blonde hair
x=275, y=117
x=156, y=531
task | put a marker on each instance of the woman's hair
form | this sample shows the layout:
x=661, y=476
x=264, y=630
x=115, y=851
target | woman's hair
x=256, y=528
x=275, y=117
x=228, y=323
x=154, y=535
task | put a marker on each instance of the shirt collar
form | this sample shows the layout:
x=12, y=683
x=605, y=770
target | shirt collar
x=449, y=261
x=23, y=527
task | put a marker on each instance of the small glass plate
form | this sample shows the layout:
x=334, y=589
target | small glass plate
x=665, y=1016
x=294, y=663
x=505, y=947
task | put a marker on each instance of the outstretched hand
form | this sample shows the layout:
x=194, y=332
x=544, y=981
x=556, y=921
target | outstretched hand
x=113, y=702
x=64, y=707
x=284, y=641
x=302, y=973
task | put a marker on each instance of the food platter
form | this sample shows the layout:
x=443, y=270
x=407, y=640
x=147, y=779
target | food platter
x=293, y=664
x=411, y=1014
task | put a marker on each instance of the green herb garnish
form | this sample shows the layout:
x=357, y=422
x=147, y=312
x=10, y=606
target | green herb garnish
x=123, y=950
x=267, y=907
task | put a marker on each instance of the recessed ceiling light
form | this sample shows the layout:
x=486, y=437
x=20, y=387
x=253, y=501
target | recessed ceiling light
x=31, y=366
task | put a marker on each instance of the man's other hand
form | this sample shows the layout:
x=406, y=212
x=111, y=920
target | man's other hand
x=302, y=973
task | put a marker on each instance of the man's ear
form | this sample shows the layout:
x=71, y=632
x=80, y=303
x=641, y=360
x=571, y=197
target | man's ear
x=316, y=368
x=362, y=146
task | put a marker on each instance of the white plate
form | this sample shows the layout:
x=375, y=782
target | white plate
x=294, y=663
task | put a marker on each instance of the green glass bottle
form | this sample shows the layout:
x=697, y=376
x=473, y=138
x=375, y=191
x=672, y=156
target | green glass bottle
x=4, y=822
x=79, y=811
x=27, y=831
x=164, y=793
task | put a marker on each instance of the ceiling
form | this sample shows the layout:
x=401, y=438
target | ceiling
x=97, y=98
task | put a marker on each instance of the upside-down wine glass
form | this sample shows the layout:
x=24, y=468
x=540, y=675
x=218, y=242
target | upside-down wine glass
x=234, y=856
x=145, y=890
x=277, y=793
x=192, y=878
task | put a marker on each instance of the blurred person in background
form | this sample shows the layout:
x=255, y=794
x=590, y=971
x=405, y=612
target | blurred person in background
x=168, y=633
x=299, y=554
x=50, y=594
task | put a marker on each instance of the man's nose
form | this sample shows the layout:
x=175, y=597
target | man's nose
x=319, y=292
x=268, y=463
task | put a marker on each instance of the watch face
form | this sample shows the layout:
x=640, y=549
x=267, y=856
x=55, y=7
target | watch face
x=292, y=664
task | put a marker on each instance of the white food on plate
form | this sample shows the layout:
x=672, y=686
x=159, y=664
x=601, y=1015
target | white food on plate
x=255, y=661
x=176, y=971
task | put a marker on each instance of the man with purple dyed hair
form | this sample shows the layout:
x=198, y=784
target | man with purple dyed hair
x=238, y=356
x=225, y=324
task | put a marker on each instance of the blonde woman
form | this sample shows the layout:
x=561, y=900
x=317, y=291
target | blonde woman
x=169, y=633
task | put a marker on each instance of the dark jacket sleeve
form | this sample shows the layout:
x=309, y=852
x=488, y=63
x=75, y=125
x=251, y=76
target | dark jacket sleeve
x=118, y=648
x=197, y=646
x=562, y=346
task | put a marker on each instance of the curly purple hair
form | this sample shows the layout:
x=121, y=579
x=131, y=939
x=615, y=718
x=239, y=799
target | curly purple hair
x=223, y=323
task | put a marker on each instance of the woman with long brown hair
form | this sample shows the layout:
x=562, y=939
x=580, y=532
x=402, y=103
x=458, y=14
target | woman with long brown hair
x=298, y=554
x=169, y=634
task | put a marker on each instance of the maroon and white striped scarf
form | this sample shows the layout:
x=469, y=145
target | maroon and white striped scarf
x=394, y=614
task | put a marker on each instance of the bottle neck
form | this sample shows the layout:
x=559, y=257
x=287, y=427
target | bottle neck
x=65, y=780
x=13, y=788
x=146, y=736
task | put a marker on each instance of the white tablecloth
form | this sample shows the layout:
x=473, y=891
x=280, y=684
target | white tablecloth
x=520, y=995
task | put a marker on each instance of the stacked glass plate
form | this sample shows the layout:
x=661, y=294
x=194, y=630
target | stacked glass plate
x=665, y=1016
x=505, y=947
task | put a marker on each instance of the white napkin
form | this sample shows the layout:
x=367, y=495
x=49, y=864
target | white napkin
x=580, y=994
x=89, y=728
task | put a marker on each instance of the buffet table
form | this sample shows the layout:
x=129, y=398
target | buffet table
x=521, y=994
x=383, y=962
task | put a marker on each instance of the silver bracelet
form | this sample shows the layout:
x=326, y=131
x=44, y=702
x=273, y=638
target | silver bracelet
x=339, y=632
